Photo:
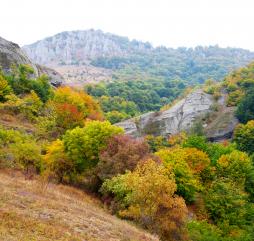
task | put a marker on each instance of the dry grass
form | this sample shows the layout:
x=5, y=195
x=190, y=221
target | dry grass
x=17, y=122
x=29, y=211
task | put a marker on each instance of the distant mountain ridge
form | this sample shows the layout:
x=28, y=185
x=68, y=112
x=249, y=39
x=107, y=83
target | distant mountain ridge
x=131, y=60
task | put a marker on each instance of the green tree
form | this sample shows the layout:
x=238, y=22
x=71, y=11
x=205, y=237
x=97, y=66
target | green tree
x=82, y=145
x=187, y=183
x=244, y=137
x=245, y=109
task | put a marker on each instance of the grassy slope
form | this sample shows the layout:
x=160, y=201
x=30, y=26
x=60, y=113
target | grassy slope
x=30, y=210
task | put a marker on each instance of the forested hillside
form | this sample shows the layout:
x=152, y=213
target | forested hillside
x=180, y=187
x=132, y=60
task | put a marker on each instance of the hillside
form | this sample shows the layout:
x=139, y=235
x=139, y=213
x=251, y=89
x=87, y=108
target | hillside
x=30, y=210
x=130, y=60
x=12, y=55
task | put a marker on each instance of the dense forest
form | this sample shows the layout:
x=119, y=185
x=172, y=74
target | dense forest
x=121, y=100
x=181, y=188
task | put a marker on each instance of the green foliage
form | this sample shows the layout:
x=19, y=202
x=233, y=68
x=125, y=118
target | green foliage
x=245, y=108
x=228, y=204
x=157, y=142
x=116, y=116
x=117, y=108
x=185, y=64
x=244, y=137
x=22, y=83
x=214, y=150
x=236, y=166
x=82, y=145
x=133, y=97
x=18, y=150
x=240, y=85
x=187, y=183
x=196, y=141
x=27, y=154
x=203, y=231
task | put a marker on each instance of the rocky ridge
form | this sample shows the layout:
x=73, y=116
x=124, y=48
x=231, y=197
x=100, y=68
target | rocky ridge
x=79, y=47
x=11, y=54
x=181, y=117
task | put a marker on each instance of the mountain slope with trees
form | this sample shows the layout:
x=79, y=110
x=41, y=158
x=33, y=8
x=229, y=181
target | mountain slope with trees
x=134, y=60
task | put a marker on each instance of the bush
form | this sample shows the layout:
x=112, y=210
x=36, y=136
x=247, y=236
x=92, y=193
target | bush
x=227, y=203
x=57, y=162
x=82, y=145
x=72, y=108
x=244, y=137
x=236, y=166
x=27, y=155
x=5, y=89
x=122, y=153
x=147, y=196
x=203, y=231
x=177, y=160
x=245, y=109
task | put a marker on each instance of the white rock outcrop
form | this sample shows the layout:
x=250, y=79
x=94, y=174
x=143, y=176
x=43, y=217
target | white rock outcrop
x=179, y=117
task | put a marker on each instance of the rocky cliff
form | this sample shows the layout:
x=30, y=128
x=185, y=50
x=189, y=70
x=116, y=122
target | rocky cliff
x=181, y=117
x=81, y=46
x=12, y=54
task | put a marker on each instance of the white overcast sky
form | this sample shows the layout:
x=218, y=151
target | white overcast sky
x=162, y=22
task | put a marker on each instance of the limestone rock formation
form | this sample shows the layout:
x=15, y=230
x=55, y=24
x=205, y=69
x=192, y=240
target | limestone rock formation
x=181, y=117
x=79, y=47
x=12, y=54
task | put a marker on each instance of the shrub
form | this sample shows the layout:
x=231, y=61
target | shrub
x=5, y=89
x=147, y=196
x=71, y=108
x=227, y=203
x=82, y=145
x=57, y=161
x=187, y=183
x=245, y=109
x=203, y=231
x=236, y=166
x=27, y=155
x=244, y=137
x=122, y=153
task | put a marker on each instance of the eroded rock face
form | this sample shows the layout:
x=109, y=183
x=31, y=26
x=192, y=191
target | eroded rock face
x=179, y=117
x=12, y=54
x=182, y=115
x=81, y=46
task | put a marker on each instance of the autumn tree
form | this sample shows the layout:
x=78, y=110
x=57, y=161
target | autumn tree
x=148, y=196
x=235, y=166
x=57, y=162
x=73, y=107
x=122, y=153
x=186, y=163
x=5, y=89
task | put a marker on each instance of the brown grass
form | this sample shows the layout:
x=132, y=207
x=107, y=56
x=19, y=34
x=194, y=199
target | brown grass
x=31, y=210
